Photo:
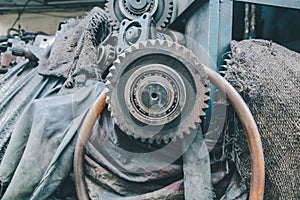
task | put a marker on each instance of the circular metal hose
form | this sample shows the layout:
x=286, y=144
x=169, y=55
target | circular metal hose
x=241, y=108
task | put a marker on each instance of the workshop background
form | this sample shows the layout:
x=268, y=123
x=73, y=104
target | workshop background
x=279, y=24
x=214, y=24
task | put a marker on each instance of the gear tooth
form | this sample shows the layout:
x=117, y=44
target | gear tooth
x=126, y=130
x=165, y=22
x=178, y=46
x=205, y=106
x=117, y=62
x=134, y=136
x=206, y=81
x=194, y=58
x=150, y=43
x=158, y=42
x=228, y=61
x=166, y=43
x=185, y=51
x=188, y=132
x=108, y=85
x=112, y=69
x=129, y=134
x=109, y=106
x=166, y=140
x=106, y=6
x=174, y=45
x=109, y=78
x=108, y=99
x=143, y=139
x=197, y=61
x=195, y=124
x=112, y=115
x=198, y=121
x=142, y=45
x=222, y=73
x=207, y=90
x=224, y=66
x=134, y=47
x=202, y=113
x=158, y=140
x=121, y=57
x=206, y=98
x=150, y=140
x=180, y=135
x=174, y=139
x=169, y=43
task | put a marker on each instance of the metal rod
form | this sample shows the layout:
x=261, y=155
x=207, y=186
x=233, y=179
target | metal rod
x=255, y=146
x=83, y=138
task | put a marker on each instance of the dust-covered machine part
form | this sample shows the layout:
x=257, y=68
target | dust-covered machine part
x=157, y=91
x=118, y=10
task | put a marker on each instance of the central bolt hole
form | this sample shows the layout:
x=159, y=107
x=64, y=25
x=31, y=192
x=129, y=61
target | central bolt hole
x=138, y=1
x=154, y=96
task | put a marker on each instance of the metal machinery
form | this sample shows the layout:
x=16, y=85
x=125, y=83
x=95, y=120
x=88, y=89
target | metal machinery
x=157, y=89
x=160, y=66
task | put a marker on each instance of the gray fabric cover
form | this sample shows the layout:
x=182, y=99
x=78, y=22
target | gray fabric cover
x=18, y=88
x=117, y=167
x=40, y=154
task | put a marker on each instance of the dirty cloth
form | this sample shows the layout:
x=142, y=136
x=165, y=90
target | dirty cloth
x=120, y=167
x=18, y=88
x=40, y=154
x=267, y=75
x=73, y=53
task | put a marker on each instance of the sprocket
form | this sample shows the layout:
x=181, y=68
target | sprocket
x=160, y=10
x=157, y=90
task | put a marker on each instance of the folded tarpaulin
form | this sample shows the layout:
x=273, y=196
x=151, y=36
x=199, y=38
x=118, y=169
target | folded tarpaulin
x=18, y=88
x=40, y=154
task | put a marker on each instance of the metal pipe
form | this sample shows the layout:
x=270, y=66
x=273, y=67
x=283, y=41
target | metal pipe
x=254, y=141
x=255, y=146
x=83, y=138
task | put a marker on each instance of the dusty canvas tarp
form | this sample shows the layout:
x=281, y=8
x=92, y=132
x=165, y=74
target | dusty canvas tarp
x=118, y=167
x=40, y=154
x=18, y=88
x=73, y=53
x=268, y=77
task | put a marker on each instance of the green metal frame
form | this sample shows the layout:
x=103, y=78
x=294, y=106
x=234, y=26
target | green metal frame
x=211, y=25
x=295, y=4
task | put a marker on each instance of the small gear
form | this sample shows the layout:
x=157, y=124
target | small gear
x=160, y=10
x=157, y=90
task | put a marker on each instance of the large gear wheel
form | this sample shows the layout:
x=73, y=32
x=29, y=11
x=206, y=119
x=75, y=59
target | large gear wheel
x=118, y=10
x=157, y=90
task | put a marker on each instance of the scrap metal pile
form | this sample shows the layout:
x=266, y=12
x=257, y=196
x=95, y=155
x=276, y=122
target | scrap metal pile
x=149, y=141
